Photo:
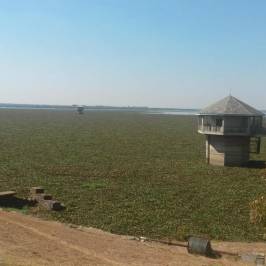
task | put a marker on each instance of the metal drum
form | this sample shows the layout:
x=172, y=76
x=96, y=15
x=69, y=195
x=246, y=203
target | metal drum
x=200, y=246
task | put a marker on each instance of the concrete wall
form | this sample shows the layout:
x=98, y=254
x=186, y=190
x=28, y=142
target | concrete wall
x=227, y=150
x=215, y=150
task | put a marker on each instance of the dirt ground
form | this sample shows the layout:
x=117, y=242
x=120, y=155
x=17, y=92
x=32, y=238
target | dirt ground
x=25, y=240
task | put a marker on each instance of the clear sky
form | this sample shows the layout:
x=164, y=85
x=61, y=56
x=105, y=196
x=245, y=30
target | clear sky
x=161, y=53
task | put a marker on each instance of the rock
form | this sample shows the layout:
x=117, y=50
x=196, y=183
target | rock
x=143, y=239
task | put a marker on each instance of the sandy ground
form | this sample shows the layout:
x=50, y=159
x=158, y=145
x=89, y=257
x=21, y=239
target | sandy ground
x=25, y=240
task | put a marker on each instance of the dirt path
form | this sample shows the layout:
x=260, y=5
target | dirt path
x=25, y=240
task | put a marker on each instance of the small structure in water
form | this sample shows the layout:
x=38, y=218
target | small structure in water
x=80, y=110
x=233, y=130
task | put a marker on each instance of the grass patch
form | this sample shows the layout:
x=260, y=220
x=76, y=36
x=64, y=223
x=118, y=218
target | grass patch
x=24, y=210
x=95, y=184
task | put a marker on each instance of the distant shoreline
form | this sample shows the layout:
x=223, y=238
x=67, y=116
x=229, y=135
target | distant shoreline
x=146, y=110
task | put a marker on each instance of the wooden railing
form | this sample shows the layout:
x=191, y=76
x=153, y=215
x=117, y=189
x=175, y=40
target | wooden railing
x=232, y=130
x=209, y=128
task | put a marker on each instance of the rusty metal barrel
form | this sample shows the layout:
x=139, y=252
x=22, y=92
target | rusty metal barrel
x=200, y=246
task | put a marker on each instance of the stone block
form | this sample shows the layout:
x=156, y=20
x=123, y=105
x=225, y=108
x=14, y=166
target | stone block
x=36, y=190
x=52, y=205
x=41, y=197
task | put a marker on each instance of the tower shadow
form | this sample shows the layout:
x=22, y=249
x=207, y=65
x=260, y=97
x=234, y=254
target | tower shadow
x=256, y=164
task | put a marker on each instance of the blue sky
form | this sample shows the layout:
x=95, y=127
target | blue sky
x=182, y=53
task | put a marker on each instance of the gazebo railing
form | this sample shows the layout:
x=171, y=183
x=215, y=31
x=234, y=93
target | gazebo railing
x=210, y=129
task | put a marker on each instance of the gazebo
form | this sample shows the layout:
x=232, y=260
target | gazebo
x=233, y=130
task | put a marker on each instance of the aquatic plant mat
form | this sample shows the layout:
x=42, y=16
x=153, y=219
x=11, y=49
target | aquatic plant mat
x=128, y=173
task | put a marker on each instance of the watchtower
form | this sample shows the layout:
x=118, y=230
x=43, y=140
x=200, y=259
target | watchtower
x=233, y=130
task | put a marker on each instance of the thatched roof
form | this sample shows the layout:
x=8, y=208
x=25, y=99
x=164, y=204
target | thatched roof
x=230, y=106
